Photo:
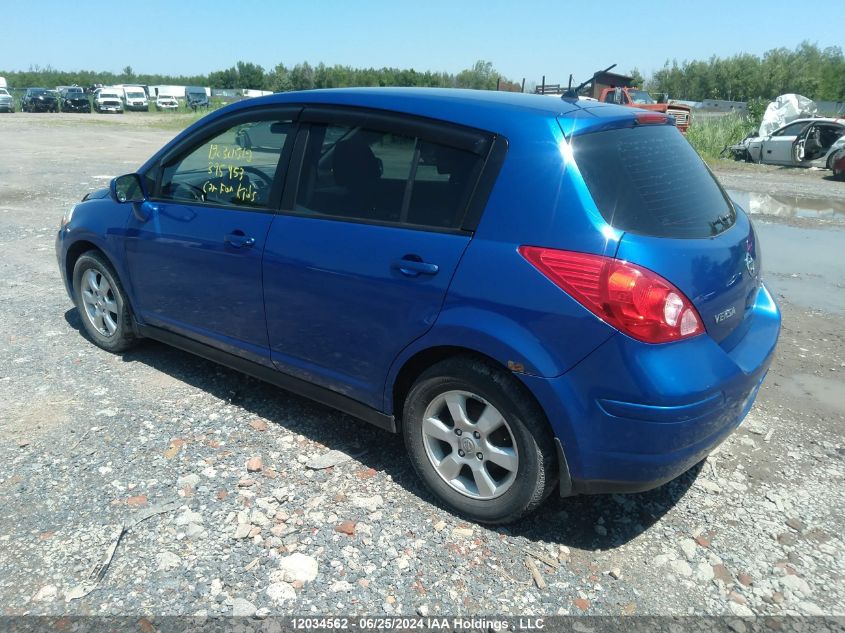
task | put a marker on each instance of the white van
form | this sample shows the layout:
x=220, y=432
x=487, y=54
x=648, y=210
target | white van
x=135, y=98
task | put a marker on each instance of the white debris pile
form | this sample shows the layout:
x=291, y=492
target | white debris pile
x=784, y=109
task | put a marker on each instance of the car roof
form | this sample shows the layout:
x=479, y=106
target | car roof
x=817, y=119
x=501, y=112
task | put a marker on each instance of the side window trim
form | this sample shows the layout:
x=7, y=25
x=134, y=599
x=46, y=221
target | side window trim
x=409, y=184
x=452, y=134
x=294, y=171
x=484, y=186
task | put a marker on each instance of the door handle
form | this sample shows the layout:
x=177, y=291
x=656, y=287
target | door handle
x=413, y=266
x=237, y=239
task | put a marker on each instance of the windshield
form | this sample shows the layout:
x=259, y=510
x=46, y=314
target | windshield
x=196, y=94
x=135, y=95
x=108, y=95
x=640, y=96
x=4, y=92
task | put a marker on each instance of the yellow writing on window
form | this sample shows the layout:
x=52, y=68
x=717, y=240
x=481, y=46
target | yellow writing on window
x=216, y=151
x=222, y=170
x=246, y=194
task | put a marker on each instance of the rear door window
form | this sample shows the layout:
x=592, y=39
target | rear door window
x=649, y=180
x=382, y=176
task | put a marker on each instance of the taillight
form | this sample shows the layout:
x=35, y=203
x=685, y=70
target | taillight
x=633, y=299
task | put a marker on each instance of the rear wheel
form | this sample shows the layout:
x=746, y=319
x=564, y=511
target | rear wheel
x=479, y=441
x=102, y=303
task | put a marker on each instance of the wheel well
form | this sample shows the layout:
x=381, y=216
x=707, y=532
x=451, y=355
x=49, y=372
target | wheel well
x=74, y=252
x=421, y=361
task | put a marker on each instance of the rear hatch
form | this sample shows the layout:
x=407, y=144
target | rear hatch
x=647, y=181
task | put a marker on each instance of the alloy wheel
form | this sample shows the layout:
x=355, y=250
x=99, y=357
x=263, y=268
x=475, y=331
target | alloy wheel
x=470, y=445
x=100, y=302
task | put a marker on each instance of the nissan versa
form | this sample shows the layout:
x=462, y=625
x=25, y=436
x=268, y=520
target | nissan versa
x=539, y=294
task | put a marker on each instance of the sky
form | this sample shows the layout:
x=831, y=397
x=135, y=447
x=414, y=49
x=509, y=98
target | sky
x=522, y=38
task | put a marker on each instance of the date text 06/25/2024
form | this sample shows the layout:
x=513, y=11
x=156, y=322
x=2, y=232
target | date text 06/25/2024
x=419, y=623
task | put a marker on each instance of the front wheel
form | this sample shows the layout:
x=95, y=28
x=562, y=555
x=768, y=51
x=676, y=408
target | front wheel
x=102, y=303
x=479, y=440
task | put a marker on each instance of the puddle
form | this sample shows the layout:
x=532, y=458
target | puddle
x=825, y=391
x=805, y=265
x=789, y=206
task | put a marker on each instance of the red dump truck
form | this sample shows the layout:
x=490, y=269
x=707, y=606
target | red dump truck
x=609, y=87
x=636, y=98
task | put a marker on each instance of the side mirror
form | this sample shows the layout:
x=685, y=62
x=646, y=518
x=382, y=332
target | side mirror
x=127, y=188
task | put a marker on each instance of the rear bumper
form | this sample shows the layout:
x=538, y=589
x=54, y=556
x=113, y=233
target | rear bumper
x=633, y=416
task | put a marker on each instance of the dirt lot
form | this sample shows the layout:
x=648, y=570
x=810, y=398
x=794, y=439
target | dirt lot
x=332, y=519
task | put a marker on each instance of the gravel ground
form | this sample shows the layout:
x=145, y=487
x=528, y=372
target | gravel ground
x=212, y=493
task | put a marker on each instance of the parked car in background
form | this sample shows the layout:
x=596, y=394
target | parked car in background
x=803, y=142
x=75, y=101
x=135, y=99
x=166, y=102
x=196, y=97
x=513, y=283
x=108, y=100
x=39, y=100
x=837, y=164
x=63, y=90
x=836, y=149
x=7, y=102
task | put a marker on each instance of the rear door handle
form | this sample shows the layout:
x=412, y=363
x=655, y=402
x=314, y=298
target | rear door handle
x=413, y=266
x=237, y=239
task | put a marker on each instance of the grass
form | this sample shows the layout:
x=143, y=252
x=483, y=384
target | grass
x=174, y=120
x=709, y=135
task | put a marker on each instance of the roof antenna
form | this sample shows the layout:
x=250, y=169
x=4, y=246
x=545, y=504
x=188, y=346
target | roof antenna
x=571, y=93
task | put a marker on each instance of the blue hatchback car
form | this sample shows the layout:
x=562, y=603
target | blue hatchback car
x=538, y=293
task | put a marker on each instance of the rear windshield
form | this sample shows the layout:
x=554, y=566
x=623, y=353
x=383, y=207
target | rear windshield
x=649, y=180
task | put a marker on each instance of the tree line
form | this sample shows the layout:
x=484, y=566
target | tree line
x=281, y=78
x=807, y=70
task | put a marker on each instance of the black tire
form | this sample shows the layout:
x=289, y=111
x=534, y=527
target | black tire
x=122, y=338
x=536, y=472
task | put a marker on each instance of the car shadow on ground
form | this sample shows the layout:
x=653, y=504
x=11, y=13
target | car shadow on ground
x=598, y=522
